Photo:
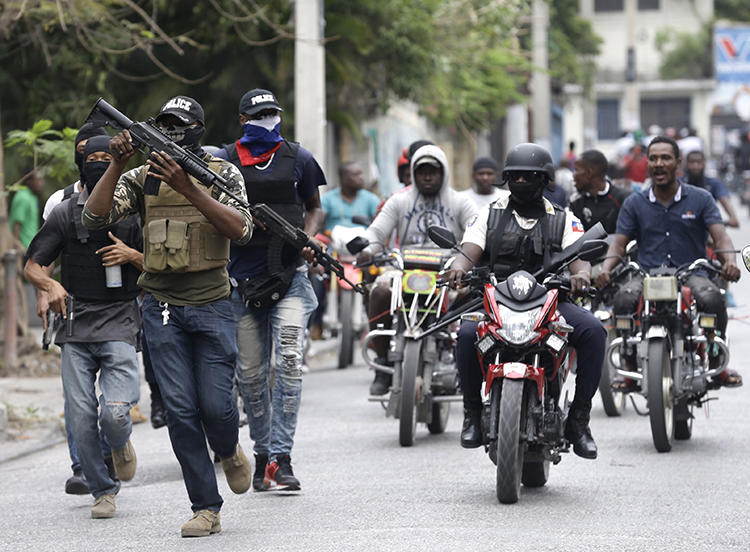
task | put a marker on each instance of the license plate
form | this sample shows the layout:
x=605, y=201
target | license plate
x=660, y=288
x=485, y=344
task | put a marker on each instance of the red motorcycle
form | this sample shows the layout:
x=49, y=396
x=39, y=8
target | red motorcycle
x=523, y=349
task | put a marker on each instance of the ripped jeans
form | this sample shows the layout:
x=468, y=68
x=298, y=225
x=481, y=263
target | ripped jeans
x=117, y=364
x=272, y=409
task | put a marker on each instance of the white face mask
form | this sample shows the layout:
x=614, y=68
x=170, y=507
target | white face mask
x=268, y=122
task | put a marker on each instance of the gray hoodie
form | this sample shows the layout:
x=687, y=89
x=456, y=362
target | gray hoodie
x=409, y=213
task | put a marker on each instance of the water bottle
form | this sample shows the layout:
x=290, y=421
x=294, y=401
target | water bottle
x=113, y=275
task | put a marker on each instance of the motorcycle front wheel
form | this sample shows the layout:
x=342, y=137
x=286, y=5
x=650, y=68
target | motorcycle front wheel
x=407, y=422
x=660, y=390
x=509, y=449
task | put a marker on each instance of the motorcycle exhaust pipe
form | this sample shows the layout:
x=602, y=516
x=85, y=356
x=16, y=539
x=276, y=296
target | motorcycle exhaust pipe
x=366, y=351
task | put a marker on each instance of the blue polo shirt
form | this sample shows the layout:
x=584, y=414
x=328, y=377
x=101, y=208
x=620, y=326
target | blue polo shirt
x=340, y=211
x=674, y=235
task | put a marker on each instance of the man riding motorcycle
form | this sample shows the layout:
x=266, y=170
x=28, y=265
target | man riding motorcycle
x=410, y=212
x=671, y=222
x=596, y=199
x=520, y=232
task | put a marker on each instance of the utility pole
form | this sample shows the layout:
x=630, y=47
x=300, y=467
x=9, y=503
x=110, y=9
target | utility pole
x=310, y=78
x=540, y=85
x=631, y=99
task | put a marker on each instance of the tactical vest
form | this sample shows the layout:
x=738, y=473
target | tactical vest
x=177, y=237
x=69, y=190
x=511, y=248
x=82, y=270
x=277, y=188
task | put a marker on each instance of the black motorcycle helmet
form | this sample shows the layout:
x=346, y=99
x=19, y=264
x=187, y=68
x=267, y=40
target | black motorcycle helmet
x=529, y=158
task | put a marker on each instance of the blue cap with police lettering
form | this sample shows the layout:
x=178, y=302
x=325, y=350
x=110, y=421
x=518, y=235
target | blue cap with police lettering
x=184, y=108
x=257, y=100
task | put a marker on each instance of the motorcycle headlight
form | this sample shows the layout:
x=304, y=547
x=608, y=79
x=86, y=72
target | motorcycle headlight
x=419, y=281
x=518, y=327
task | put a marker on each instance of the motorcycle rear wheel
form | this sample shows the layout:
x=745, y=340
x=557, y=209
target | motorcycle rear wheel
x=683, y=420
x=535, y=474
x=509, y=448
x=346, y=332
x=660, y=390
x=407, y=422
x=613, y=402
x=441, y=411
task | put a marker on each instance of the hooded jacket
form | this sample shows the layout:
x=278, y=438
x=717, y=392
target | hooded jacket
x=410, y=213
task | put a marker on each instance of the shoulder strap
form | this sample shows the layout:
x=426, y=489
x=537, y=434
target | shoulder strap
x=557, y=227
x=68, y=191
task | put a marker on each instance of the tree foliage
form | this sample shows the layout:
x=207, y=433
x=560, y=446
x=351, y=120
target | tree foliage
x=461, y=61
x=733, y=10
x=686, y=55
x=45, y=149
x=573, y=45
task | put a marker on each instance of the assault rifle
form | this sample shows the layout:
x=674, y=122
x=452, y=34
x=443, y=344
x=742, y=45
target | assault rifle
x=145, y=134
x=148, y=136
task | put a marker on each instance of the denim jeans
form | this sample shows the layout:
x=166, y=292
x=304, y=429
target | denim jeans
x=75, y=462
x=273, y=421
x=117, y=364
x=193, y=357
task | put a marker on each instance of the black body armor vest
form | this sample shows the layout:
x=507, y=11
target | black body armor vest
x=82, y=270
x=511, y=248
x=276, y=187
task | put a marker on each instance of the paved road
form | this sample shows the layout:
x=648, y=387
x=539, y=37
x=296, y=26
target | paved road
x=361, y=491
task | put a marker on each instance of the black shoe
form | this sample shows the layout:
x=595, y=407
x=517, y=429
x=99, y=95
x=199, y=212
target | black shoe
x=471, y=432
x=259, y=484
x=381, y=384
x=279, y=474
x=158, y=414
x=577, y=430
x=77, y=484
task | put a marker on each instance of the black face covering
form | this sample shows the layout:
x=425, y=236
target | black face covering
x=92, y=172
x=86, y=132
x=526, y=198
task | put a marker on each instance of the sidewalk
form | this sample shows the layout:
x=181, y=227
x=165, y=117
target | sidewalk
x=35, y=406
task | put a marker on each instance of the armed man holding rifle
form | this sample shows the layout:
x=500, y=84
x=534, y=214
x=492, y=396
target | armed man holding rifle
x=274, y=297
x=187, y=314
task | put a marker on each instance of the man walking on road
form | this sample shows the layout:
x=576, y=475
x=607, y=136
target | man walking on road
x=187, y=315
x=274, y=298
x=100, y=334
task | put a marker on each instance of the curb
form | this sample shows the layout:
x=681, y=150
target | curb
x=53, y=437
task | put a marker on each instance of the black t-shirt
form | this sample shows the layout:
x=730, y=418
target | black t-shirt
x=94, y=322
x=602, y=208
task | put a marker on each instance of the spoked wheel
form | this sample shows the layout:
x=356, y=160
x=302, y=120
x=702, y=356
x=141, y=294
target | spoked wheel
x=660, y=388
x=346, y=332
x=509, y=448
x=407, y=422
x=441, y=411
x=683, y=420
x=613, y=401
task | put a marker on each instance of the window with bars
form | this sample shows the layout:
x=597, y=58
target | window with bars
x=608, y=119
x=648, y=5
x=608, y=5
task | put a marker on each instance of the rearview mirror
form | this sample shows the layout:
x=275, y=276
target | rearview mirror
x=592, y=250
x=361, y=220
x=442, y=237
x=746, y=256
x=357, y=245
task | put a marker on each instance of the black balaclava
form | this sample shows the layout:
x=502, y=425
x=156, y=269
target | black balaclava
x=88, y=130
x=94, y=170
x=526, y=197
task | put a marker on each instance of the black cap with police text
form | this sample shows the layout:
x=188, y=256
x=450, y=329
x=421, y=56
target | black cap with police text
x=258, y=100
x=184, y=108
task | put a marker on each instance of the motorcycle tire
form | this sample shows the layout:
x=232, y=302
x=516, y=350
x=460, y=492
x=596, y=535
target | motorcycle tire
x=660, y=389
x=407, y=421
x=441, y=411
x=535, y=474
x=683, y=420
x=613, y=402
x=509, y=447
x=346, y=333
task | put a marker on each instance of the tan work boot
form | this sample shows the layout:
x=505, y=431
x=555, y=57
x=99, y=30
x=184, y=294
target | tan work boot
x=202, y=524
x=237, y=469
x=104, y=507
x=136, y=416
x=125, y=461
